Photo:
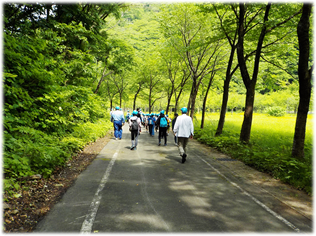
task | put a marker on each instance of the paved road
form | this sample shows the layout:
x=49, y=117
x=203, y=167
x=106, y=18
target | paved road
x=150, y=190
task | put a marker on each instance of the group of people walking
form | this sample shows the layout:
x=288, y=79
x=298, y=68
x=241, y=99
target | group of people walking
x=182, y=127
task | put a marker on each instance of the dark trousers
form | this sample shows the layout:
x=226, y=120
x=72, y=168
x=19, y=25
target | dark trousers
x=163, y=133
x=151, y=130
x=134, y=137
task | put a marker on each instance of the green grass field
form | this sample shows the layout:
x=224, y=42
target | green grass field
x=277, y=132
x=270, y=145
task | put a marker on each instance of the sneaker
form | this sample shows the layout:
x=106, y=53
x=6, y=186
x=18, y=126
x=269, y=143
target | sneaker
x=115, y=138
x=184, y=157
x=175, y=144
x=132, y=148
x=159, y=144
x=165, y=144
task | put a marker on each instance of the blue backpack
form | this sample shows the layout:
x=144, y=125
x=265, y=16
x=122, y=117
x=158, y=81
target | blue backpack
x=163, y=122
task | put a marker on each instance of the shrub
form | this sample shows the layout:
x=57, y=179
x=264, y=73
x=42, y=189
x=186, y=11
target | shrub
x=276, y=111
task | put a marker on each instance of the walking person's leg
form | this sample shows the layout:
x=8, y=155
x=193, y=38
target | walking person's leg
x=165, y=135
x=180, y=145
x=133, y=141
x=120, y=130
x=116, y=129
x=182, y=142
x=185, y=144
x=159, y=136
x=136, y=138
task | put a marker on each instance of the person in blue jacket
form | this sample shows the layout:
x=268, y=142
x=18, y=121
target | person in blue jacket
x=117, y=117
x=151, y=124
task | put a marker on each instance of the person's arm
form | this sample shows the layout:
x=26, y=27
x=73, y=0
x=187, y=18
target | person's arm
x=139, y=125
x=158, y=121
x=192, y=130
x=176, y=127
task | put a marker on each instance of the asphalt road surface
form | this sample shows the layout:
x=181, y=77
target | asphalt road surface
x=150, y=190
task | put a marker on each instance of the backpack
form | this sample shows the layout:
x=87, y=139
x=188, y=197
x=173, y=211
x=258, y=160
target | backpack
x=163, y=122
x=134, y=126
x=150, y=121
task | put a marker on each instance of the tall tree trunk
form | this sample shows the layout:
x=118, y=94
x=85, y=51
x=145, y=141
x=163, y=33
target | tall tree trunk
x=250, y=84
x=190, y=99
x=169, y=99
x=205, y=99
x=135, y=97
x=221, y=121
x=149, y=101
x=247, y=122
x=101, y=80
x=193, y=99
x=304, y=75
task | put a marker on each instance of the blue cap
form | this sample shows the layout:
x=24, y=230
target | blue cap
x=184, y=110
x=117, y=107
x=135, y=112
x=162, y=112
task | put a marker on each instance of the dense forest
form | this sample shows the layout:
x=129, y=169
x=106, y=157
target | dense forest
x=67, y=65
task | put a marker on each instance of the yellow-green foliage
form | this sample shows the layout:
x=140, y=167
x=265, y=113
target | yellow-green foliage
x=270, y=145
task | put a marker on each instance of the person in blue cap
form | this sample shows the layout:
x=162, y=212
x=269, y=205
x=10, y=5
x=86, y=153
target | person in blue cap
x=162, y=123
x=128, y=116
x=117, y=117
x=135, y=128
x=183, y=129
x=151, y=124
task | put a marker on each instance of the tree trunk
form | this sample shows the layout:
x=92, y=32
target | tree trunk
x=101, y=80
x=221, y=121
x=169, y=99
x=304, y=75
x=135, y=97
x=247, y=123
x=190, y=99
x=222, y=116
x=193, y=99
x=250, y=84
x=204, y=101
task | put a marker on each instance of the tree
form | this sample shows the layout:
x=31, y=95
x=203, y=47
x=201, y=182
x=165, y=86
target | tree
x=225, y=12
x=253, y=12
x=187, y=30
x=207, y=90
x=118, y=59
x=304, y=75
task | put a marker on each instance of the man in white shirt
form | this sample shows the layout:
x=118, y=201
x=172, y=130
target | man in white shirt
x=183, y=129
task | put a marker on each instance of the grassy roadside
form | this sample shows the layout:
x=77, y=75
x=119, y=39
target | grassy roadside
x=45, y=153
x=270, y=145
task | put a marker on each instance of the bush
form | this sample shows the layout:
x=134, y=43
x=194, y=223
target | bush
x=276, y=111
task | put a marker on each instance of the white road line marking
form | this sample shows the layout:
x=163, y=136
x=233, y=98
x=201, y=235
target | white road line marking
x=254, y=199
x=94, y=206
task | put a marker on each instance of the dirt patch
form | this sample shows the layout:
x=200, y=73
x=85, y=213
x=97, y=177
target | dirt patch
x=22, y=212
